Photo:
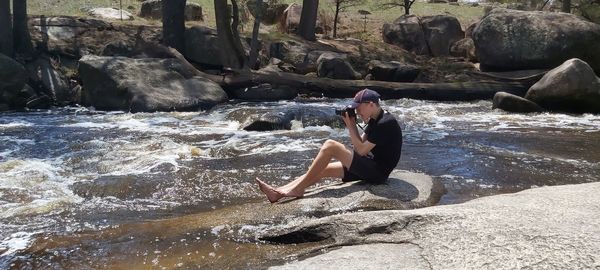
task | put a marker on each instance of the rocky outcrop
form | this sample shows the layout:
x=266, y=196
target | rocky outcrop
x=145, y=85
x=110, y=14
x=335, y=66
x=549, y=227
x=514, y=40
x=571, y=87
x=13, y=77
x=202, y=46
x=124, y=187
x=431, y=35
x=152, y=9
x=513, y=103
x=392, y=71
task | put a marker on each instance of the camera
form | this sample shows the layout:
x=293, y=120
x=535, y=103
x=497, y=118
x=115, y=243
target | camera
x=351, y=112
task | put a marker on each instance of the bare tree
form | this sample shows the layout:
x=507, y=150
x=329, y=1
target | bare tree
x=232, y=53
x=340, y=6
x=21, y=37
x=6, y=42
x=406, y=4
x=308, y=19
x=173, y=20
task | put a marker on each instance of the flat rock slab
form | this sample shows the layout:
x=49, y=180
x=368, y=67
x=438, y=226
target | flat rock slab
x=542, y=228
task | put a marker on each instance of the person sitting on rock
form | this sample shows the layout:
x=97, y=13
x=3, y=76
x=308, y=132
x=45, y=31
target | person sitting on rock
x=372, y=159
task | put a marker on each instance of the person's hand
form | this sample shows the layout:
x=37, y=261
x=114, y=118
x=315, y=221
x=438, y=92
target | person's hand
x=349, y=121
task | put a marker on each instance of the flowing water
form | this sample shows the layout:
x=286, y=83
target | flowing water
x=75, y=171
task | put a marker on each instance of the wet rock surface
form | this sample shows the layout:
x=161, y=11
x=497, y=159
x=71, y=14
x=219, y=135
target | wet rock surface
x=550, y=227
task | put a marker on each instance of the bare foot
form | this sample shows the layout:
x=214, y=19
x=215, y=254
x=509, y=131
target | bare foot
x=292, y=193
x=272, y=194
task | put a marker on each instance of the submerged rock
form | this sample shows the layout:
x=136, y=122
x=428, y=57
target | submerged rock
x=282, y=119
x=513, y=103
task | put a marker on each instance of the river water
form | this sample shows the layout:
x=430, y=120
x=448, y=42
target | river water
x=79, y=171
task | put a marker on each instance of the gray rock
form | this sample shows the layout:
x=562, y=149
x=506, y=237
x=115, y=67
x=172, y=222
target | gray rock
x=334, y=66
x=271, y=14
x=407, y=33
x=282, y=119
x=441, y=31
x=110, y=14
x=513, y=103
x=547, y=228
x=571, y=87
x=535, y=40
x=392, y=71
x=119, y=48
x=202, y=46
x=145, y=85
x=291, y=18
x=152, y=9
x=13, y=77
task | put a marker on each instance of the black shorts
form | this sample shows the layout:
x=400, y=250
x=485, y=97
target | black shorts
x=364, y=168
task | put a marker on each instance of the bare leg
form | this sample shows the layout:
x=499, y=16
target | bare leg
x=320, y=168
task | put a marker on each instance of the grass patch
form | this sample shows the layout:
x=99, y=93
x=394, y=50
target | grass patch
x=351, y=23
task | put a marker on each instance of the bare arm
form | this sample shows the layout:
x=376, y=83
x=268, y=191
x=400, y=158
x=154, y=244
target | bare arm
x=361, y=145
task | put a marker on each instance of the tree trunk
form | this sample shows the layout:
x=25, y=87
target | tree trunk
x=237, y=41
x=230, y=56
x=566, y=6
x=252, y=63
x=6, y=42
x=335, y=18
x=22, y=39
x=387, y=90
x=173, y=19
x=308, y=19
x=407, y=5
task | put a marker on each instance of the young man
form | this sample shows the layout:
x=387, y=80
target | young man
x=372, y=159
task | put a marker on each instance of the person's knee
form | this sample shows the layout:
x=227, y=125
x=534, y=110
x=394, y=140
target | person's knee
x=330, y=146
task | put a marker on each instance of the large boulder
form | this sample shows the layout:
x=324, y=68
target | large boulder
x=110, y=14
x=541, y=228
x=291, y=18
x=441, y=31
x=513, y=103
x=513, y=40
x=202, y=46
x=407, y=33
x=145, y=85
x=335, y=66
x=152, y=9
x=392, y=71
x=280, y=119
x=431, y=35
x=13, y=77
x=571, y=87
x=270, y=14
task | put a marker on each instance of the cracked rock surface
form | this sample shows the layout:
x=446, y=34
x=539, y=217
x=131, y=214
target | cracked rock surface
x=546, y=228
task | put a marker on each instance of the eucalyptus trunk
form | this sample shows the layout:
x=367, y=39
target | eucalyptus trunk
x=21, y=37
x=173, y=19
x=231, y=56
x=252, y=63
x=6, y=42
x=308, y=19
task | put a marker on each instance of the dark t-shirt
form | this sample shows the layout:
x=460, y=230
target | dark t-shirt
x=386, y=134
